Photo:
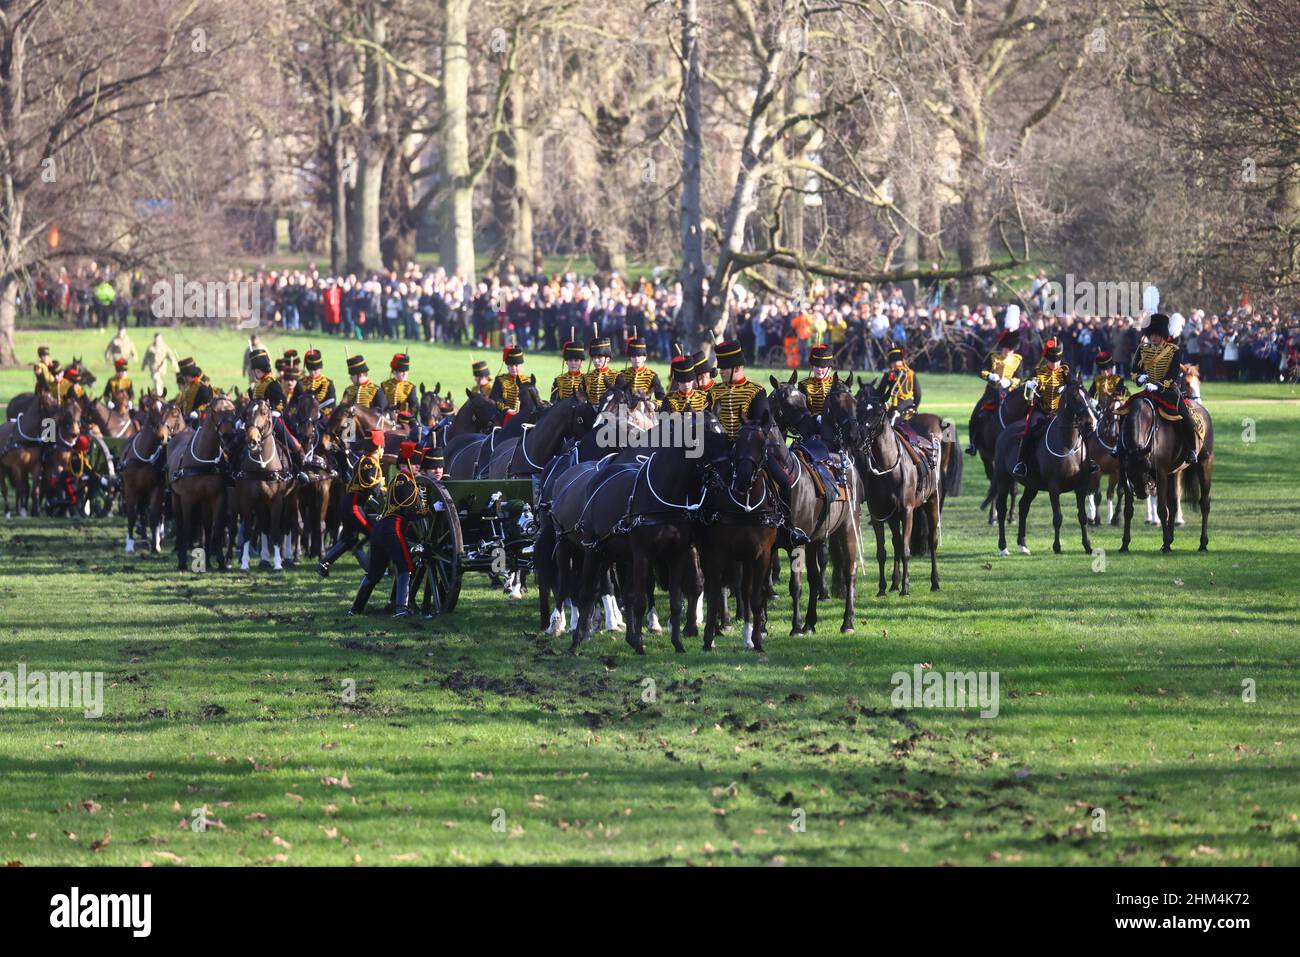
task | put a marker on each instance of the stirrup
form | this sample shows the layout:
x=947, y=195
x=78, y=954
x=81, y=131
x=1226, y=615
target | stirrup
x=1019, y=470
x=971, y=450
x=324, y=568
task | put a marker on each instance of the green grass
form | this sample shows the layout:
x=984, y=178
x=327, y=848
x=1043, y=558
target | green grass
x=1120, y=689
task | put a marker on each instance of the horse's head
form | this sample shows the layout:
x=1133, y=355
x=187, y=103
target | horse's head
x=1076, y=405
x=257, y=422
x=873, y=415
x=748, y=454
x=69, y=418
x=1190, y=374
x=482, y=411
x=788, y=404
x=840, y=427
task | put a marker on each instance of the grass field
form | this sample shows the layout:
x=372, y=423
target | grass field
x=475, y=740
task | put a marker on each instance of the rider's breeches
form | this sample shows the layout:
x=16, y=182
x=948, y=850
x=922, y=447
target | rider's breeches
x=355, y=524
x=387, y=546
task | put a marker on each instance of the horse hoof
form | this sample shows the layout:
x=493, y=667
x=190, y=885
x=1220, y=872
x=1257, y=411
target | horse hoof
x=934, y=586
x=1205, y=547
x=1123, y=549
x=1057, y=549
x=1002, y=552
x=1166, y=549
x=846, y=629
x=1024, y=549
x=679, y=647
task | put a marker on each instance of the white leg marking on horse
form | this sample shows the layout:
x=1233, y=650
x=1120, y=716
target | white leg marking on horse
x=278, y=566
x=1110, y=509
x=1024, y=549
x=1091, y=509
x=130, y=544
x=655, y=627
x=557, y=622
x=699, y=611
x=747, y=632
x=266, y=547
x=243, y=561
x=1004, y=553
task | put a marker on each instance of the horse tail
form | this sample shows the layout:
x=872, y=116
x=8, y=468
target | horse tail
x=953, y=470
x=920, y=531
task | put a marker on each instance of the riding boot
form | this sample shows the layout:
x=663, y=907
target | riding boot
x=1189, y=432
x=338, y=548
x=976, y=423
x=1021, y=468
x=363, y=596
x=402, y=598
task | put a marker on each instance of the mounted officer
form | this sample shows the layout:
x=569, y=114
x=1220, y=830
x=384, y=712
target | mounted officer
x=45, y=369
x=120, y=382
x=1048, y=386
x=569, y=382
x=598, y=380
x=482, y=378
x=268, y=389
x=817, y=386
x=1108, y=384
x=684, y=397
x=638, y=375
x=1156, y=370
x=362, y=391
x=196, y=395
x=317, y=383
x=735, y=399
x=899, y=385
x=398, y=388
x=1000, y=370
x=509, y=385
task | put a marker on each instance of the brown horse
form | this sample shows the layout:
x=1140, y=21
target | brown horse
x=1060, y=464
x=197, y=465
x=314, y=498
x=895, y=489
x=264, y=484
x=116, y=422
x=1152, y=458
x=143, y=471
x=35, y=444
x=1009, y=409
x=1103, y=446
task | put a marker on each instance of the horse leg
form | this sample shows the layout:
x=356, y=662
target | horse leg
x=935, y=507
x=586, y=601
x=843, y=553
x=1057, y=519
x=1127, y=493
x=1167, y=497
x=879, y=529
x=1178, y=498
x=798, y=565
x=1026, y=499
x=276, y=515
x=182, y=530
x=1080, y=498
x=895, y=533
x=636, y=602
x=131, y=506
x=907, y=554
x=814, y=573
x=1203, y=470
x=1112, y=516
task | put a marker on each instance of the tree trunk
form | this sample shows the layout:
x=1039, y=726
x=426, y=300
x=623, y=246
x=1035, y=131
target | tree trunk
x=973, y=244
x=513, y=198
x=364, y=248
x=692, y=237
x=8, y=315
x=457, y=252
x=338, y=180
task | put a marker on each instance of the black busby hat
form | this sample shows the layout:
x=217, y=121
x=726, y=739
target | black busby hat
x=193, y=371
x=1009, y=339
x=281, y=364
x=512, y=356
x=357, y=365
x=188, y=361
x=291, y=357
x=1104, y=358
x=400, y=362
x=404, y=417
x=821, y=356
x=895, y=354
x=574, y=352
x=1159, y=325
x=479, y=368
x=635, y=346
x=290, y=373
x=600, y=347
x=259, y=362
x=313, y=359
x=1052, y=350
x=729, y=354
x=433, y=459
x=684, y=369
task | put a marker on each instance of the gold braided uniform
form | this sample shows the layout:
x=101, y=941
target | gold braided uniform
x=192, y=398
x=1106, y=387
x=643, y=379
x=507, y=386
x=731, y=402
x=398, y=392
x=1157, y=362
x=693, y=401
x=405, y=498
x=362, y=395
x=1049, y=380
x=317, y=385
x=566, y=385
x=1005, y=367
x=369, y=473
x=596, y=382
x=815, y=390
x=43, y=374
x=119, y=383
x=74, y=387
x=904, y=388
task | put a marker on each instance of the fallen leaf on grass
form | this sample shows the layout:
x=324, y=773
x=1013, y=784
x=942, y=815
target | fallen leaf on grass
x=90, y=807
x=103, y=842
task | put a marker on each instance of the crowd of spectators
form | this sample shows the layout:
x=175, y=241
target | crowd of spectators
x=540, y=312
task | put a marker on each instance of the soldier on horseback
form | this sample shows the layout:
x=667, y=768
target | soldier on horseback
x=362, y=391
x=406, y=501
x=509, y=385
x=569, y=382
x=1000, y=368
x=1108, y=384
x=1156, y=370
x=66, y=384
x=120, y=382
x=268, y=389
x=399, y=388
x=197, y=394
x=482, y=378
x=601, y=377
x=899, y=385
x=704, y=374
x=45, y=369
x=735, y=400
x=818, y=384
x=684, y=397
x=1048, y=385
x=367, y=480
x=317, y=383
x=638, y=375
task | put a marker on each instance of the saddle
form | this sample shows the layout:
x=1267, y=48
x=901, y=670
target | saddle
x=919, y=448
x=826, y=467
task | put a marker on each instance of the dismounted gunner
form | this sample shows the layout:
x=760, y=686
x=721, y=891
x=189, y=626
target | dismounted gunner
x=434, y=464
x=120, y=382
x=684, y=397
x=899, y=385
x=569, y=382
x=1156, y=370
x=367, y=480
x=735, y=399
x=1051, y=377
x=362, y=391
x=818, y=385
x=1108, y=383
x=388, y=544
x=1000, y=370
x=399, y=388
x=638, y=375
x=597, y=381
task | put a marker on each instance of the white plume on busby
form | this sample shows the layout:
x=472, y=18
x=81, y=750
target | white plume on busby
x=1176, y=323
x=1011, y=318
x=1151, y=300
